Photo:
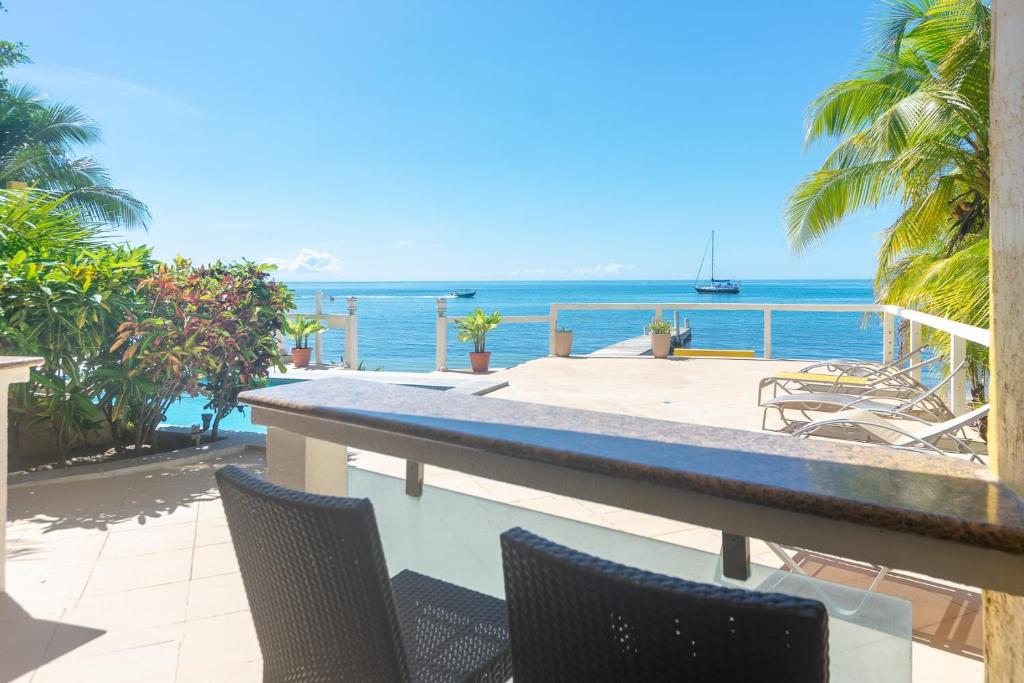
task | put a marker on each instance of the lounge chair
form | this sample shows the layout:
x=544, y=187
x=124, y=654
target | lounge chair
x=905, y=434
x=925, y=404
x=941, y=438
x=575, y=617
x=858, y=366
x=855, y=379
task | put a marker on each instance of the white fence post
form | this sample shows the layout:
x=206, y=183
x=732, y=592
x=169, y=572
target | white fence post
x=441, y=353
x=552, y=328
x=916, y=339
x=675, y=321
x=318, y=342
x=767, y=333
x=888, y=336
x=958, y=385
x=12, y=371
x=352, y=336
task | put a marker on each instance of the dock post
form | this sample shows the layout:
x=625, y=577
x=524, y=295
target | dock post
x=352, y=336
x=319, y=339
x=767, y=333
x=675, y=321
x=441, y=352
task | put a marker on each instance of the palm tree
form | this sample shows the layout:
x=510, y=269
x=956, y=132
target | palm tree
x=911, y=127
x=37, y=146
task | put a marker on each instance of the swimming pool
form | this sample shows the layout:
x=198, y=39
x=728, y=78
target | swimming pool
x=188, y=411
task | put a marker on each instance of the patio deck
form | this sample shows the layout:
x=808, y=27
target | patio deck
x=134, y=575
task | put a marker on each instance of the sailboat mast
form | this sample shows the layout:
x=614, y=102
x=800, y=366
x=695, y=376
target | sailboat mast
x=712, y=256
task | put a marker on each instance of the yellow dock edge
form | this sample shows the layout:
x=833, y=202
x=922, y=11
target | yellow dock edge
x=714, y=353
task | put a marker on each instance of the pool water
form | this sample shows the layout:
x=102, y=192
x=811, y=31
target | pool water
x=188, y=411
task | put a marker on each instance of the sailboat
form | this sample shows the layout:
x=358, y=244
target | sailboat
x=715, y=286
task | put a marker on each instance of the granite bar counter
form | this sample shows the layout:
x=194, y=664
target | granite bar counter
x=940, y=516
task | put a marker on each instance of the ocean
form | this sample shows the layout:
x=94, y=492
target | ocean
x=397, y=319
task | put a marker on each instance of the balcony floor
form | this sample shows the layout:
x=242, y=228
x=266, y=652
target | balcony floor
x=134, y=575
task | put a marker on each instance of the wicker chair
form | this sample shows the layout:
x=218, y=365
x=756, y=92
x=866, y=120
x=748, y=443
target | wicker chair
x=574, y=617
x=324, y=608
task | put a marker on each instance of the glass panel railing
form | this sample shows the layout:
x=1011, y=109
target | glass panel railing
x=454, y=537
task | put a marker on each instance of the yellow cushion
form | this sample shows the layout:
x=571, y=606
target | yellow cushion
x=713, y=353
x=822, y=378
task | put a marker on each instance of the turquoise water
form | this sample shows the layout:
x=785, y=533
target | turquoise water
x=396, y=319
x=396, y=322
x=188, y=411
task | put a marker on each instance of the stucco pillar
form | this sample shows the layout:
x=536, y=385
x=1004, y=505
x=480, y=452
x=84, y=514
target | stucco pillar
x=1004, y=614
x=12, y=371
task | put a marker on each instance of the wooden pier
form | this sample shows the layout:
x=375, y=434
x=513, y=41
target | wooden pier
x=639, y=346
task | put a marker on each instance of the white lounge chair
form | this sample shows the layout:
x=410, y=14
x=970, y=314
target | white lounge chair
x=924, y=404
x=907, y=434
x=941, y=438
x=854, y=379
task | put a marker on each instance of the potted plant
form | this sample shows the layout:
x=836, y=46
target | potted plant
x=563, y=342
x=300, y=329
x=661, y=338
x=474, y=327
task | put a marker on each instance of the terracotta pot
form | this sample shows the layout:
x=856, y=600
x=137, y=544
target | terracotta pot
x=563, y=344
x=480, y=361
x=300, y=357
x=660, y=344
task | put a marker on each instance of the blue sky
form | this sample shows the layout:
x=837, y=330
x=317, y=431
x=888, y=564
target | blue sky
x=430, y=140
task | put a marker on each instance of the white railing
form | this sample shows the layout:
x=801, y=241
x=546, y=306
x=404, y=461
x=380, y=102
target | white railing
x=443, y=321
x=333, y=321
x=959, y=333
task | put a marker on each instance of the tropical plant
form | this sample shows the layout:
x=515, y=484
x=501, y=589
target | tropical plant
x=300, y=330
x=208, y=329
x=912, y=127
x=63, y=293
x=38, y=143
x=660, y=327
x=475, y=326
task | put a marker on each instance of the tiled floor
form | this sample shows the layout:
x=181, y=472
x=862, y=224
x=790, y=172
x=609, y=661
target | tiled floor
x=133, y=577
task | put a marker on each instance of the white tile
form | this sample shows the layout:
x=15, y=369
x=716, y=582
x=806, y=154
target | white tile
x=216, y=595
x=213, y=560
x=137, y=608
x=152, y=664
x=140, y=571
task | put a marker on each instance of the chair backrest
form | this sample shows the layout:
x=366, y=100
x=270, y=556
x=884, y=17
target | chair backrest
x=955, y=424
x=316, y=580
x=577, y=617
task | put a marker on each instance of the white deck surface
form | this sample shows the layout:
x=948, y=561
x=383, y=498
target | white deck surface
x=133, y=577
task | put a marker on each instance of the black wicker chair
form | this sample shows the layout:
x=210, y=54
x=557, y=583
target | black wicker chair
x=574, y=617
x=324, y=608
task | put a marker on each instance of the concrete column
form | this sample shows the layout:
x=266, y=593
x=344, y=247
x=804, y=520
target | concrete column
x=916, y=339
x=306, y=464
x=552, y=328
x=888, y=336
x=318, y=345
x=958, y=385
x=441, y=335
x=352, y=335
x=767, y=333
x=1004, y=614
x=12, y=371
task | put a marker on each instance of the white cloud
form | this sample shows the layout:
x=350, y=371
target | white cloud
x=401, y=244
x=308, y=261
